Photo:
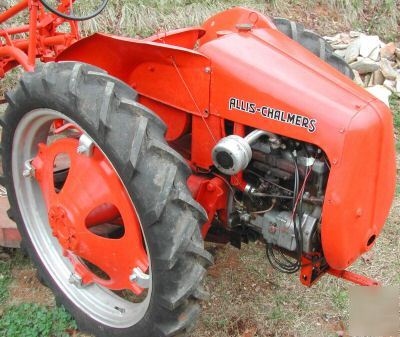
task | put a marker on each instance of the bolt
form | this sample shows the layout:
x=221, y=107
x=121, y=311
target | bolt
x=207, y=70
x=142, y=279
x=76, y=280
x=81, y=149
x=210, y=187
x=28, y=171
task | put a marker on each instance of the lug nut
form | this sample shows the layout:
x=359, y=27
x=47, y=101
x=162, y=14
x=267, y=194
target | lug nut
x=76, y=280
x=28, y=171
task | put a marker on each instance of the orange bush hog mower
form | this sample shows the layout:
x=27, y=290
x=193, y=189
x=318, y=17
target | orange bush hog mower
x=121, y=155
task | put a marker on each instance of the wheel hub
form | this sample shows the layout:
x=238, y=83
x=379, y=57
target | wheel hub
x=90, y=195
x=63, y=228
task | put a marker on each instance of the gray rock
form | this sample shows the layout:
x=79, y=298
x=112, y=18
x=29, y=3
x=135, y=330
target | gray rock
x=371, y=81
x=391, y=85
x=340, y=52
x=388, y=51
x=375, y=54
x=354, y=34
x=345, y=38
x=367, y=79
x=364, y=66
x=339, y=46
x=368, y=44
x=378, y=78
x=387, y=70
x=333, y=39
x=353, y=51
x=381, y=93
x=398, y=86
x=357, y=78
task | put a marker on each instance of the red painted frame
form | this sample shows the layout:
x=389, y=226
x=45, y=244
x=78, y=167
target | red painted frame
x=41, y=40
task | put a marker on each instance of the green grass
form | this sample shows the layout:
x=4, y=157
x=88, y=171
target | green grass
x=340, y=298
x=395, y=106
x=144, y=17
x=28, y=320
x=15, y=257
x=33, y=320
x=5, y=279
x=380, y=17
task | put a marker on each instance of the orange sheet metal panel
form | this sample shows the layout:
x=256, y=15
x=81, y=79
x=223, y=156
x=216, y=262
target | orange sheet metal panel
x=168, y=74
x=263, y=79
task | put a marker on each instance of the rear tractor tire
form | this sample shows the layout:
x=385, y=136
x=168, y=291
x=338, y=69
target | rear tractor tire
x=141, y=275
x=314, y=43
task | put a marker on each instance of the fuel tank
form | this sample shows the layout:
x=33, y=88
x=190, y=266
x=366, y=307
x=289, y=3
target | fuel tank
x=263, y=79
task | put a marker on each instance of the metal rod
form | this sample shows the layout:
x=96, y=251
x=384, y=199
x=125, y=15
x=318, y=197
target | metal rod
x=9, y=13
x=32, y=32
x=18, y=55
x=253, y=136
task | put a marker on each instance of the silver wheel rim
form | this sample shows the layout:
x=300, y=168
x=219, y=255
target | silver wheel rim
x=97, y=302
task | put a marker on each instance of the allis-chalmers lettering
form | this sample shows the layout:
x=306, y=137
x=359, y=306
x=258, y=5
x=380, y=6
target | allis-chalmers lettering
x=278, y=115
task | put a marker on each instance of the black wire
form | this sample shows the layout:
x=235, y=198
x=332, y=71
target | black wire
x=287, y=266
x=267, y=180
x=297, y=229
x=73, y=17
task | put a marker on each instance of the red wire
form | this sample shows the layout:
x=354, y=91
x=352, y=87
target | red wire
x=301, y=192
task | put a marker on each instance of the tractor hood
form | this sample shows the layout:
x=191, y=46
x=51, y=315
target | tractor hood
x=263, y=79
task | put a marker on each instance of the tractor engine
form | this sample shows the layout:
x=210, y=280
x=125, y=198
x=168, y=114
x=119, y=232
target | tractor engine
x=282, y=201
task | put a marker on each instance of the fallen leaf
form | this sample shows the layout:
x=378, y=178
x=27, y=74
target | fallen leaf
x=250, y=332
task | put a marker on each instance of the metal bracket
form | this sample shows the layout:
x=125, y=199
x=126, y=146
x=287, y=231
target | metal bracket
x=86, y=146
x=354, y=278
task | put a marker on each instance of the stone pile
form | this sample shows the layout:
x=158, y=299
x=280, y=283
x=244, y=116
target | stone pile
x=376, y=65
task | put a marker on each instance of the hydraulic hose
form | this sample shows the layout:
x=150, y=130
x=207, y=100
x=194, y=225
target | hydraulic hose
x=73, y=17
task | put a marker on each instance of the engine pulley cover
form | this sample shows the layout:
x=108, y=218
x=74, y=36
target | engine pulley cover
x=232, y=154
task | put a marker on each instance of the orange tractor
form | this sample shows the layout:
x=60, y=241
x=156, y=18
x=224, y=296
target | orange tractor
x=121, y=156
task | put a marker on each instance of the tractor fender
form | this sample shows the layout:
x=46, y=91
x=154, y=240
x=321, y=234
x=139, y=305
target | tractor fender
x=171, y=80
